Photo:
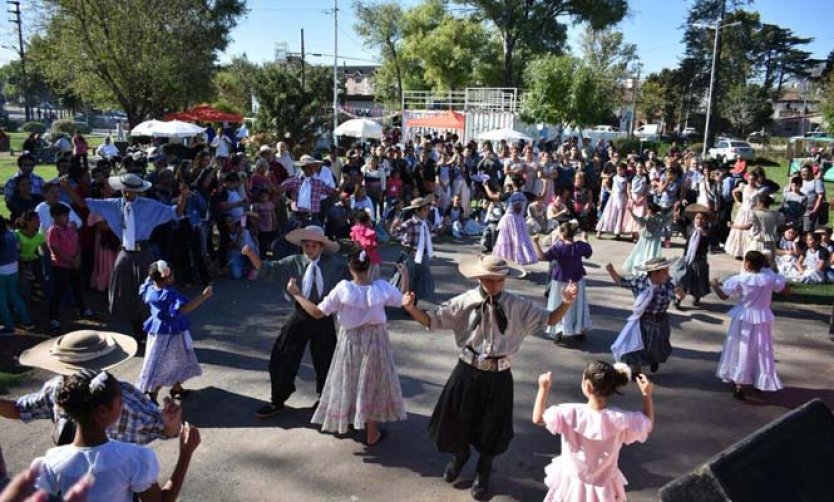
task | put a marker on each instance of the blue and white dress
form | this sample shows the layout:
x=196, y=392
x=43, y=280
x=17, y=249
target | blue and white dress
x=169, y=354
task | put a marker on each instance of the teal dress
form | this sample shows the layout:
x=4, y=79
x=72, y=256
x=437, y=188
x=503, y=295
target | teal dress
x=648, y=246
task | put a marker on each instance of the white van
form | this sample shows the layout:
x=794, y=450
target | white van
x=648, y=131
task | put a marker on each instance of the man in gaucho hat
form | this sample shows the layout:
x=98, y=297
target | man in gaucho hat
x=132, y=218
x=476, y=405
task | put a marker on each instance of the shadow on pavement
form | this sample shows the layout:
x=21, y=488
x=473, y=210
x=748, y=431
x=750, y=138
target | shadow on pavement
x=231, y=359
x=215, y=408
x=791, y=397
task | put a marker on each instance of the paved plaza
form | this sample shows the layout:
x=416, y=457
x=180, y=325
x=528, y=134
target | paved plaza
x=287, y=459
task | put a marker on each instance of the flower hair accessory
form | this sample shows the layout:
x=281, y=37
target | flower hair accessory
x=623, y=369
x=164, y=269
x=99, y=383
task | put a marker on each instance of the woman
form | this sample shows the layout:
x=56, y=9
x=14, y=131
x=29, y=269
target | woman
x=746, y=195
x=106, y=244
x=547, y=176
x=374, y=185
x=638, y=193
x=670, y=190
x=80, y=148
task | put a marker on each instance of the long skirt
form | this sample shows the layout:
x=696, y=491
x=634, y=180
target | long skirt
x=737, y=241
x=169, y=359
x=362, y=384
x=129, y=272
x=655, y=331
x=646, y=248
x=513, y=241
x=693, y=277
x=104, y=259
x=613, y=216
x=747, y=356
x=475, y=408
x=577, y=320
x=420, y=280
x=638, y=208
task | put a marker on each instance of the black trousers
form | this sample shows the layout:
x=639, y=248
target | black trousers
x=188, y=253
x=63, y=277
x=289, y=350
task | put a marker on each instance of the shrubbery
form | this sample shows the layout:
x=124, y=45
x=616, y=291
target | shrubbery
x=70, y=127
x=33, y=127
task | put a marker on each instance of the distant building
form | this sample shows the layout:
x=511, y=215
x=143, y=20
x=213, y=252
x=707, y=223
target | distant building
x=359, y=86
x=797, y=111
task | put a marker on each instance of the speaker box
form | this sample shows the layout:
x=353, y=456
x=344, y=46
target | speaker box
x=789, y=460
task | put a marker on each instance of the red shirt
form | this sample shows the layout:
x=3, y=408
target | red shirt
x=64, y=239
x=366, y=237
x=393, y=187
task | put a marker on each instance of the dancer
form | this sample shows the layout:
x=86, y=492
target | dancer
x=94, y=401
x=592, y=434
x=416, y=239
x=614, y=216
x=746, y=195
x=764, y=229
x=362, y=386
x=513, y=241
x=692, y=270
x=638, y=194
x=645, y=337
x=320, y=272
x=476, y=405
x=169, y=356
x=747, y=356
x=651, y=233
x=566, y=255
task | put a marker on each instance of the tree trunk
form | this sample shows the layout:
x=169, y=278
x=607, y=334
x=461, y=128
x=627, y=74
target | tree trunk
x=509, y=46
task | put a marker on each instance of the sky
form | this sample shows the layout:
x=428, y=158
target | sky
x=653, y=25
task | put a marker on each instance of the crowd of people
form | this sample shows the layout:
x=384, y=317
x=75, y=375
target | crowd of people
x=135, y=232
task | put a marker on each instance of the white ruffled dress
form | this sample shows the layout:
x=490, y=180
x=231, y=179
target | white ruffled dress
x=747, y=357
x=362, y=383
x=587, y=471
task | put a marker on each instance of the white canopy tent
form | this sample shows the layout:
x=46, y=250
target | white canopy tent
x=167, y=129
x=505, y=134
x=360, y=128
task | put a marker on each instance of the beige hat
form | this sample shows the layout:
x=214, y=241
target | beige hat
x=489, y=266
x=78, y=350
x=420, y=202
x=128, y=182
x=307, y=160
x=655, y=264
x=312, y=233
x=264, y=148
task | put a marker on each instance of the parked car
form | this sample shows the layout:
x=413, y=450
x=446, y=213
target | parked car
x=688, y=132
x=730, y=150
x=603, y=128
x=760, y=137
x=649, y=132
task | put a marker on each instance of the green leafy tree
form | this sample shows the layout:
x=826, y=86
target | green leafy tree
x=562, y=90
x=148, y=57
x=536, y=26
x=652, y=98
x=746, y=109
x=380, y=25
x=233, y=86
x=827, y=104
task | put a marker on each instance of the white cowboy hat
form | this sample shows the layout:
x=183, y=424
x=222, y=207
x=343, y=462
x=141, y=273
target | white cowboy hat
x=307, y=160
x=78, y=350
x=312, y=233
x=264, y=148
x=655, y=264
x=128, y=182
x=489, y=267
x=420, y=202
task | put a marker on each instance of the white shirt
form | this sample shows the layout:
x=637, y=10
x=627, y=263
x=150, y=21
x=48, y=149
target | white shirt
x=107, y=151
x=286, y=161
x=46, y=219
x=242, y=132
x=223, y=145
x=365, y=204
x=357, y=305
x=120, y=470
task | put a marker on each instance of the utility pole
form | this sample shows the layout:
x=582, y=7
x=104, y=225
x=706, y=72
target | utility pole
x=711, y=99
x=634, y=91
x=303, y=87
x=15, y=4
x=335, y=70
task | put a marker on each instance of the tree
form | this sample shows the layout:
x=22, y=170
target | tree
x=287, y=108
x=148, y=57
x=562, y=90
x=534, y=25
x=233, y=86
x=652, y=99
x=380, y=24
x=827, y=104
x=746, y=108
x=608, y=56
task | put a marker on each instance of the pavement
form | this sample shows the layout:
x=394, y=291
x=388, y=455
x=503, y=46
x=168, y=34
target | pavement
x=287, y=458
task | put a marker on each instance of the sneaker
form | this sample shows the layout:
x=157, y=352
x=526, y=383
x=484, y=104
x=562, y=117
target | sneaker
x=269, y=410
x=88, y=314
x=54, y=324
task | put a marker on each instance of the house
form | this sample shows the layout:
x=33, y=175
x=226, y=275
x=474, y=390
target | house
x=359, y=86
x=797, y=111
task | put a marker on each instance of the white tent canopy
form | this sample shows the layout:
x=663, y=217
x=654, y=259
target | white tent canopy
x=505, y=134
x=360, y=128
x=169, y=129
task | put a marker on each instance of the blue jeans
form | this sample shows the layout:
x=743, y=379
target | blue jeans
x=235, y=262
x=9, y=294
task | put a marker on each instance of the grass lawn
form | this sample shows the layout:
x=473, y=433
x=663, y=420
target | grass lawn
x=9, y=380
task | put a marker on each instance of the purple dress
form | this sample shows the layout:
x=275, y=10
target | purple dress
x=567, y=267
x=513, y=242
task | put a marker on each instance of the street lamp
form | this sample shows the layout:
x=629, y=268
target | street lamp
x=717, y=27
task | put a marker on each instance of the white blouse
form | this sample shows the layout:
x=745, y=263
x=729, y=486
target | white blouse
x=357, y=305
x=754, y=291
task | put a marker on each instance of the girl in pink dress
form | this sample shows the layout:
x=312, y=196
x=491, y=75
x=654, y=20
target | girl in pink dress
x=364, y=235
x=613, y=216
x=513, y=242
x=592, y=435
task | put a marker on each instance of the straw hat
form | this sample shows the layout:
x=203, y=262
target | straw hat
x=312, y=233
x=489, y=267
x=78, y=350
x=307, y=160
x=693, y=209
x=420, y=202
x=128, y=182
x=655, y=264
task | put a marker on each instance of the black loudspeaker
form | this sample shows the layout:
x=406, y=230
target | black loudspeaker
x=789, y=460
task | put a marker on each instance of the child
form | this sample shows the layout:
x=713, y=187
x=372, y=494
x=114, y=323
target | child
x=583, y=203
x=31, y=240
x=363, y=234
x=592, y=434
x=648, y=246
x=393, y=188
x=65, y=253
x=747, y=357
x=613, y=218
x=362, y=386
x=361, y=202
x=794, y=202
x=169, y=354
x=638, y=195
x=787, y=255
x=232, y=240
x=693, y=269
x=813, y=264
x=94, y=401
x=513, y=242
x=9, y=293
x=267, y=223
x=566, y=255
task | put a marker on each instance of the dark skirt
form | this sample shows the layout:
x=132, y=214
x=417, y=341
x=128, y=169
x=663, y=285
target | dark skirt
x=656, y=331
x=695, y=279
x=129, y=272
x=475, y=408
x=420, y=280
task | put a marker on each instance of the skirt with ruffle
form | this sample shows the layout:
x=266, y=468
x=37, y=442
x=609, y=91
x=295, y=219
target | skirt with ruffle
x=747, y=357
x=362, y=383
x=613, y=218
x=514, y=242
x=169, y=359
x=577, y=320
x=563, y=486
x=737, y=240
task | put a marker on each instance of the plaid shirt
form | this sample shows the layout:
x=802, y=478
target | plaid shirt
x=319, y=191
x=663, y=294
x=140, y=422
x=408, y=232
x=37, y=185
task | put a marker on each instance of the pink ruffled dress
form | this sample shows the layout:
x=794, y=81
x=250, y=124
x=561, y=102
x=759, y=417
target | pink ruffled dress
x=587, y=471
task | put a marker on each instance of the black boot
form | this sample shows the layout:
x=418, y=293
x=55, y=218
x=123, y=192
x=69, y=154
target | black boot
x=480, y=486
x=453, y=468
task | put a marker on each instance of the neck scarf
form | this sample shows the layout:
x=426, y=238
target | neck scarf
x=313, y=272
x=489, y=302
x=630, y=339
x=424, y=247
x=692, y=247
x=305, y=194
x=129, y=227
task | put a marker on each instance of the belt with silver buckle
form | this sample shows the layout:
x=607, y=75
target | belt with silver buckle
x=494, y=364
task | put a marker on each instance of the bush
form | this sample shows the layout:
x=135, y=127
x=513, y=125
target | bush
x=696, y=148
x=70, y=127
x=33, y=127
x=626, y=145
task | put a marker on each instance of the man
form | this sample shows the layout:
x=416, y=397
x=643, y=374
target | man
x=141, y=419
x=107, y=150
x=307, y=190
x=476, y=405
x=814, y=190
x=25, y=168
x=319, y=271
x=240, y=136
x=132, y=218
x=415, y=236
x=63, y=145
x=334, y=163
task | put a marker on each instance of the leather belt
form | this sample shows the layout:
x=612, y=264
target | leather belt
x=494, y=364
